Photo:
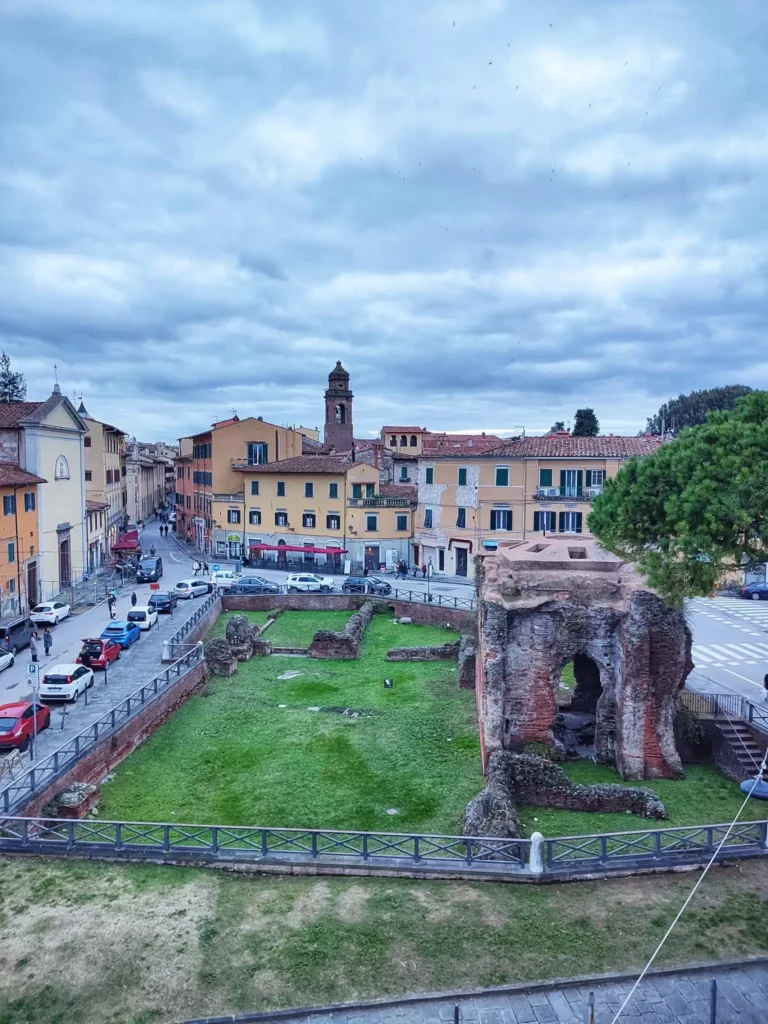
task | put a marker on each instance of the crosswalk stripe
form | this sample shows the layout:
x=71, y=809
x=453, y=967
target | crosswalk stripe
x=708, y=655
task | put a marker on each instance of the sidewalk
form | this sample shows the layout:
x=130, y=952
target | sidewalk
x=664, y=997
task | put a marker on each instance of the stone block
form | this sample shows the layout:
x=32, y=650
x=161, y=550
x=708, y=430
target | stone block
x=443, y=652
x=240, y=637
x=219, y=657
x=467, y=662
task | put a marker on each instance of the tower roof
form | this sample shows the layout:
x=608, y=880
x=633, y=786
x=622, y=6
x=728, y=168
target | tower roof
x=338, y=371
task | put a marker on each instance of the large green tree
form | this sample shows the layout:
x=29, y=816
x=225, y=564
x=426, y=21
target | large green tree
x=585, y=423
x=695, y=509
x=692, y=410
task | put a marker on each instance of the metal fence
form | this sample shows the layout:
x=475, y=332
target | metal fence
x=45, y=771
x=411, y=596
x=189, y=624
x=725, y=705
x=391, y=851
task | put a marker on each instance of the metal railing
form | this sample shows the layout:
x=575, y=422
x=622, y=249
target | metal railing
x=567, y=493
x=189, y=624
x=45, y=771
x=490, y=857
x=412, y=596
x=725, y=705
x=380, y=503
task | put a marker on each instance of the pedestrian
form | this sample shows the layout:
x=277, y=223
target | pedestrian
x=47, y=640
x=197, y=568
x=765, y=685
x=85, y=657
x=33, y=646
x=424, y=570
x=206, y=570
x=134, y=599
x=111, y=602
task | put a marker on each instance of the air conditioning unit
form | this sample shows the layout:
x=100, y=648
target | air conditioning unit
x=553, y=492
x=594, y=491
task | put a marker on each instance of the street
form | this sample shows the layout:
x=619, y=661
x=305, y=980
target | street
x=730, y=646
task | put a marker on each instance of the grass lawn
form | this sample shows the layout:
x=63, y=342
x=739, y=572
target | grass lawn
x=255, y=619
x=296, y=629
x=135, y=944
x=704, y=796
x=236, y=756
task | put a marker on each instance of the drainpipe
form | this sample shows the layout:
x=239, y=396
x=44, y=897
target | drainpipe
x=18, y=546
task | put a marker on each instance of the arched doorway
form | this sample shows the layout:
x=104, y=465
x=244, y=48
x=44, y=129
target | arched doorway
x=579, y=691
x=588, y=689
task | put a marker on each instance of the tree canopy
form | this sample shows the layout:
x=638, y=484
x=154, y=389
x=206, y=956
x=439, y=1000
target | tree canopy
x=695, y=509
x=13, y=387
x=692, y=410
x=585, y=423
x=557, y=427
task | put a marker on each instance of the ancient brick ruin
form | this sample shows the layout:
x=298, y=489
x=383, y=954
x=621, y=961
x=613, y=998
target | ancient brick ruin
x=547, y=602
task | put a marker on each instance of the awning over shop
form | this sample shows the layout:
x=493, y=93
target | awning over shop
x=297, y=547
x=128, y=542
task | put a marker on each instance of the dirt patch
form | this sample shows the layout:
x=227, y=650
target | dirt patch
x=308, y=906
x=451, y=903
x=351, y=904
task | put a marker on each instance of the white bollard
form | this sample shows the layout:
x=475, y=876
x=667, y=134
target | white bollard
x=166, y=651
x=536, y=857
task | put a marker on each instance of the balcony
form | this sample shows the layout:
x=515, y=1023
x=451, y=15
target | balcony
x=245, y=464
x=379, y=503
x=568, y=493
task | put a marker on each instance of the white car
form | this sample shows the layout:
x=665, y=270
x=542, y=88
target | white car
x=6, y=658
x=65, y=682
x=224, y=578
x=186, y=589
x=144, y=616
x=51, y=613
x=298, y=581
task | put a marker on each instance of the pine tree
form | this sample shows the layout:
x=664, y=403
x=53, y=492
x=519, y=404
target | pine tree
x=692, y=410
x=557, y=427
x=13, y=387
x=586, y=424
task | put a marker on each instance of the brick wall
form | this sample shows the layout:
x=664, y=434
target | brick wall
x=445, y=652
x=114, y=748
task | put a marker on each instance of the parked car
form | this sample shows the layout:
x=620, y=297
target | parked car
x=149, y=570
x=755, y=591
x=123, y=633
x=163, y=600
x=51, y=613
x=20, y=722
x=100, y=652
x=365, y=585
x=225, y=578
x=254, y=585
x=185, y=589
x=144, y=616
x=307, y=581
x=16, y=632
x=65, y=682
x=6, y=658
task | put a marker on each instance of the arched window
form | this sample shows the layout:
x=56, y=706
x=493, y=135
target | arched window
x=413, y=440
x=341, y=414
x=393, y=441
x=403, y=441
x=62, y=468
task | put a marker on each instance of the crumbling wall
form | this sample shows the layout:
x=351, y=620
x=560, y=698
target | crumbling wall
x=442, y=652
x=467, y=661
x=343, y=645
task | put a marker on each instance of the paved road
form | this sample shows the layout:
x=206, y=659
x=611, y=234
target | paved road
x=730, y=646
x=679, y=998
x=67, y=636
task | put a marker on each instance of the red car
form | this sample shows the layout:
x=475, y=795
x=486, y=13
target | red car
x=17, y=723
x=100, y=652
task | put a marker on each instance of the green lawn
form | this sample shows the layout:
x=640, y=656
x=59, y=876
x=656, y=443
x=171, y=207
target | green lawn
x=704, y=796
x=296, y=629
x=142, y=944
x=235, y=756
x=255, y=619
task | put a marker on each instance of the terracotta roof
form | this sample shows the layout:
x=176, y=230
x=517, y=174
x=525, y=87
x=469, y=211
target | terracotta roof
x=302, y=464
x=459, y=444
x=12, y=412
x=95, y=506
x=12, y=475
x=563, y=446
x=405, y=430
x=399, y=491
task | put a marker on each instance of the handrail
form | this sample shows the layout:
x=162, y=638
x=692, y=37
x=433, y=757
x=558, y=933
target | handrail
x=394, y=851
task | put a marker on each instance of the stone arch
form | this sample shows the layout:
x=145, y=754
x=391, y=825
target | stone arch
x=589, y=687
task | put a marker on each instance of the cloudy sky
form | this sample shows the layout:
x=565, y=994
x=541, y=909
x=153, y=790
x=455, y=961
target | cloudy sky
x=493, y=211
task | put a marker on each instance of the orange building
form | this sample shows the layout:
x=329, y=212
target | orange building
x=19, y=539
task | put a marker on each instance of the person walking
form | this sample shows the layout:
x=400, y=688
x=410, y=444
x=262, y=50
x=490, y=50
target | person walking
x=33, y=646
x=111, y=602
x=206, y=570
x=197, y=568
x=424, y=570
x=134, y=599
x=765, y=685
x=47, y=641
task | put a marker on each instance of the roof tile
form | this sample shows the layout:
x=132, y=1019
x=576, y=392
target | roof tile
x=559, y=446
x=12, y=475
x=301, y=464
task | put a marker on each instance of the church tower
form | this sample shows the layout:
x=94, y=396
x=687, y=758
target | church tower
x=338, y=410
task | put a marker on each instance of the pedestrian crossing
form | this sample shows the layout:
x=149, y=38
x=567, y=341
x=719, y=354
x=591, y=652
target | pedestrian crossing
x=746, y=616
x=730, y=654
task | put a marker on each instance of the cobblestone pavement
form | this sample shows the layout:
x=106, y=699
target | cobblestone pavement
x=682, y=997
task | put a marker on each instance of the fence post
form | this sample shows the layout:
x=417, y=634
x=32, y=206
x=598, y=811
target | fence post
x=713, y=1003
x=215, y=840
x=536, y=856
x=591, y=1008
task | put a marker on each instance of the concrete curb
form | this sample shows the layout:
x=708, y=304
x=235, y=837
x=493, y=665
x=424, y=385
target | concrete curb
x=525, y=988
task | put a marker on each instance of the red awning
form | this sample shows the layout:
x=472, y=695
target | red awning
x=128, y=542
x=297, y=547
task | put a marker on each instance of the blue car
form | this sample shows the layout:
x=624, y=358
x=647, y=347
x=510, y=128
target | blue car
x=123, y=633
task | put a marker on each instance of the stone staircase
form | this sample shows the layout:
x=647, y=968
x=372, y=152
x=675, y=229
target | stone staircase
x=744, y=749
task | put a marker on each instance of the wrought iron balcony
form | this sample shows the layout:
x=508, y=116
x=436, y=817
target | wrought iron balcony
x=379, y=502
x=567, y=493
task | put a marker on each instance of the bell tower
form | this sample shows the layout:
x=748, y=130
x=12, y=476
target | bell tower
x=338, y=410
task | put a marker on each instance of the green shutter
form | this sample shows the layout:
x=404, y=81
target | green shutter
x=545, y=478
x=578, y=522
x=579, y=481
x=430, y=475
x=462, y=478
x=588, y=478
x=561, y=525
x=562, y=478
x=357, y=490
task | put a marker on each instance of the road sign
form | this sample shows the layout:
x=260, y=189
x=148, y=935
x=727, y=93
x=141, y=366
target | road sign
x=32, y=676
x=216, y=567
x=154, y=586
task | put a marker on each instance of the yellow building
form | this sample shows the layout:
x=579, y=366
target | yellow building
x=19, y=539
x=315, y=511
x=105, y=486
x=470, y=499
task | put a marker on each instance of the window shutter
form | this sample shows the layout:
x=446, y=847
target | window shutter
x=578, y=522
x=561, y=524
x=562, y=478
x=588, y=481
x=579, y=479
x=545, y=478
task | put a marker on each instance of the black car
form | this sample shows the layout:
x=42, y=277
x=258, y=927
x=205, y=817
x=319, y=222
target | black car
x=365, y=585
x=163, y=601
x=149, y=570
x=254, y=585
